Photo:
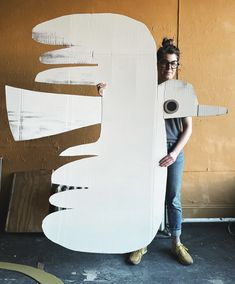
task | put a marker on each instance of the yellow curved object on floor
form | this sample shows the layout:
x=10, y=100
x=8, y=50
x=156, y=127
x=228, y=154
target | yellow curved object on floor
x=38, y=275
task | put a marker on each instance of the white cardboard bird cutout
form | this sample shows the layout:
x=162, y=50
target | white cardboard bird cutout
x=121, y=205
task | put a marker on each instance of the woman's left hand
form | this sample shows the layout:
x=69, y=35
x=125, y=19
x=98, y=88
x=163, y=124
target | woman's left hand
x=168, y=160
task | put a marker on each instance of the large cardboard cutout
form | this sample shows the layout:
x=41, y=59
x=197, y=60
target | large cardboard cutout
x=120, y=203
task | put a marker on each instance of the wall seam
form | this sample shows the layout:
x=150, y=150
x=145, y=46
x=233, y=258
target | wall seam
x=178, y=22
x=178, y=30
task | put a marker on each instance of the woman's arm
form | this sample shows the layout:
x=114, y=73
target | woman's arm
x=184, y=137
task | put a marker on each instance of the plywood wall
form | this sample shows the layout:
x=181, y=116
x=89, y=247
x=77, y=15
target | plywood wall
x=206, y=37
x=207, y=41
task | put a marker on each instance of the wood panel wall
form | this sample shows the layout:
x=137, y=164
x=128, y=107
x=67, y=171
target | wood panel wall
x=207, y=41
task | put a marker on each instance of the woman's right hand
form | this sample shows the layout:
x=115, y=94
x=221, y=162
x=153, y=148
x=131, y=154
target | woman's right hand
x=100, y=88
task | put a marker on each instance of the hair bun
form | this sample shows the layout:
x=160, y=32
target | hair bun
x=167, y=42
x=168, y=47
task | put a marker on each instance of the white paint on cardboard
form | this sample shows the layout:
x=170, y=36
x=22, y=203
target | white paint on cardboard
x=69, y=55
x=102, y=33
x=71, y=76
x=205, y=110
x=34, y=115
x=184, y=94
x=118, y=204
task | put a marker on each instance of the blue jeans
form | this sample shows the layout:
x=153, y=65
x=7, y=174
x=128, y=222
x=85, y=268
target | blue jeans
x=173, y=192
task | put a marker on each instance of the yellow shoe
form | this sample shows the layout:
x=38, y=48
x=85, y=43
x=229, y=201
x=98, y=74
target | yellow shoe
x=181, y=252
x=136, y=256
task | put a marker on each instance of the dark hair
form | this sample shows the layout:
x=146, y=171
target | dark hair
x=168, y=47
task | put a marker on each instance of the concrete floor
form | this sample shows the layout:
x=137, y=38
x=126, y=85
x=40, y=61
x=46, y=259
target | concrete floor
x=211, y=245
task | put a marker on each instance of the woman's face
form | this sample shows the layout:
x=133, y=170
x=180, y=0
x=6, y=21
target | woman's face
x=167, y=67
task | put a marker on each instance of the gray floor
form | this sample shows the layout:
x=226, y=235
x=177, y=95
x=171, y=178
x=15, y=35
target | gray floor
x=211, y=245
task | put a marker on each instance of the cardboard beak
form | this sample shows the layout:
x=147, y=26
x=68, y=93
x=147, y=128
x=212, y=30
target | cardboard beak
x=205, y=110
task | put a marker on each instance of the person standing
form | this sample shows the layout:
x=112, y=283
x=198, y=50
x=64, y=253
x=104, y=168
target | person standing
x=178, y=132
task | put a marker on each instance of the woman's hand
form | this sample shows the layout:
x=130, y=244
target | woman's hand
x=100, y=88
x=168, y=160
x=184, y=137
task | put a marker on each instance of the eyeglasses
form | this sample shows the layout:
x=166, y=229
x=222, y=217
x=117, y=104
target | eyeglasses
x=165, y=63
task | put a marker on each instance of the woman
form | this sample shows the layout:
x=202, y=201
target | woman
x=178, y=132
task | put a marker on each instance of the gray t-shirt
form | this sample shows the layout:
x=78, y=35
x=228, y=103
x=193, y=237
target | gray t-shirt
x=173, y=129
